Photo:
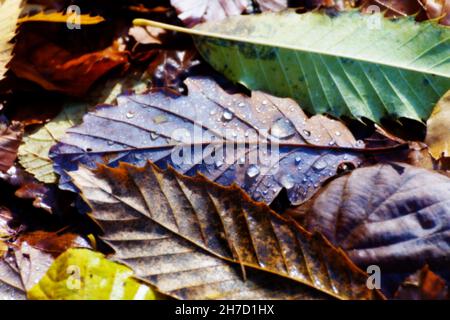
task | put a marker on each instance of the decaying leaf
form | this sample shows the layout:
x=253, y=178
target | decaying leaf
x=272, y=5
x=262, y=143
x=56, y=69
x=33, y=153
x=438, y=129
x=9, y=13
x=82, y=274
x=10, y=138
x=394, y=216
x=423, y=285
x=186, y=236
x=61, y=17
x=374, y=69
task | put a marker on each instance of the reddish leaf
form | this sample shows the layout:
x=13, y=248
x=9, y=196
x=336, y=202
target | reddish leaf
x=423, y=285
x=10, y=138
x=56, y=69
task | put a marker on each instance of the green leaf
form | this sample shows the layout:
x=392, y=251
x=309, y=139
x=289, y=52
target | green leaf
x=33, y=153
x=9, y=13
x=344, y=64
x=82, y=274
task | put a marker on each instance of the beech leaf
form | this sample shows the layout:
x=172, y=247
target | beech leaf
x=262, y=143
x=188, y=236
x=343, y=64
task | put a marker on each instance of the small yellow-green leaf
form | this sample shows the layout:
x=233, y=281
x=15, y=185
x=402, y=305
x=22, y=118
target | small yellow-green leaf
x=82, y=274
x=438, y=132
x=33, y=153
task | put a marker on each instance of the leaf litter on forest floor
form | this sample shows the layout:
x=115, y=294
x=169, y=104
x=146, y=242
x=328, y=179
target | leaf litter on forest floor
x=194, y=239
x=262, y=143
x=402, y=224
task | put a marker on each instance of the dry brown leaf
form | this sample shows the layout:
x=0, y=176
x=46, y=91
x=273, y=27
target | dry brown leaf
x=423, y=285
x=188, y=237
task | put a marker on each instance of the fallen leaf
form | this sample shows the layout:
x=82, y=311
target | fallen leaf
x=146, y=35
x=82, y=274
x=10, y=138
x=61, y=17
x=329, y=69
x=438, y=133
x=33, y=153
x=9, y=13
x=56, y=69
x=192, y=12
x=11, y=286
x=394, y=216
x=262, y=143
x=177, y=232
x=423, y=285
x=170, y=67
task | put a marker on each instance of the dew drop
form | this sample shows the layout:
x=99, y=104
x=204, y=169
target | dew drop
x=287, y=181
x=241, y=160
x=319, y=165
x=253, y=171
x=359, y=144
x=212, y=112
x=298, y=159
x=227, y=115
x=307, y=133
x=265, y=102
x=110, y=143
x=241, y=104
x=282, y=129
x=337, y=133
x=153, y=135
x=130, y=114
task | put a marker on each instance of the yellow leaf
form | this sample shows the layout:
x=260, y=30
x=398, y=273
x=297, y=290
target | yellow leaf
x=9, y=13
x=438, y=129
x=82, y=274
x=62, y=17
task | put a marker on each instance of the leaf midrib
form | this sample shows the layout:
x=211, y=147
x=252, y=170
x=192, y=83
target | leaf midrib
x=196, y=32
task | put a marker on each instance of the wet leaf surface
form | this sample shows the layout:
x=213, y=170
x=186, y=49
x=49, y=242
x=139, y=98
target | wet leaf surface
x=262, y=143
